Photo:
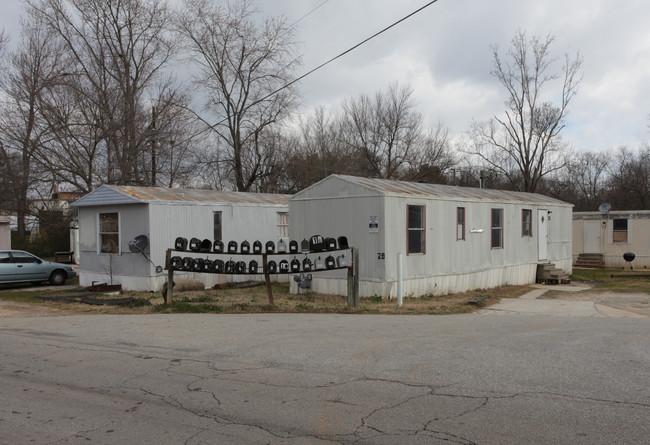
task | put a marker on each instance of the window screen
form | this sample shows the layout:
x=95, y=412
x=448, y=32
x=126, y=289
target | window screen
x=415, y=237
x=283, y=225
x=460, y=223
x=620, y=231
x=216, y=216
x=497, y=228
x=109, y=232
x=526, y=222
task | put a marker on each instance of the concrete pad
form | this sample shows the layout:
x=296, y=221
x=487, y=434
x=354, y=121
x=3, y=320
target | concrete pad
x=522, y=306
x=616, y=313
x=563, y=287
x=533, y=294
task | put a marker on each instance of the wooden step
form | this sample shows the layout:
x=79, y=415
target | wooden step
x=548, y=273
x=590, y=260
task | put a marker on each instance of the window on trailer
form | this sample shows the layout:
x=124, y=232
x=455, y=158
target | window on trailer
x=460, y=223
x=109, y=232
x=497, y=228
x=620, y=231
x=216, y=216
x=283, y=225
x=416, y=234
x=526, y=222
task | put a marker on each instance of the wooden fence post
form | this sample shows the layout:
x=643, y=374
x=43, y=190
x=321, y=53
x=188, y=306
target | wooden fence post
x=267, y=279
x=170, y=277
x=353, y=279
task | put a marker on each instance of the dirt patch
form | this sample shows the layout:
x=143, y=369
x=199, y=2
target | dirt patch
x=254, y=300
x=14, y=309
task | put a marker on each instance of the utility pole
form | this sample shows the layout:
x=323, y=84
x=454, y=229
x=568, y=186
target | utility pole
x=153, y=147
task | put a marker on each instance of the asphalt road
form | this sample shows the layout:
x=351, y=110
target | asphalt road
x=322, y=379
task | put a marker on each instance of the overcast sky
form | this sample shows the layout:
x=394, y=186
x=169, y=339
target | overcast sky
x=444, y=54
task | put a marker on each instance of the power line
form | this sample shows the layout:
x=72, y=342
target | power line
x=350, y=49
x=338, y=56
x=309, y=12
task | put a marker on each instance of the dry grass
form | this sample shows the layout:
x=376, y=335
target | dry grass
x=614, y=280
x=255, y=300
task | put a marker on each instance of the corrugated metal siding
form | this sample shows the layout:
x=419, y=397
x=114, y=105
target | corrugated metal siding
x=447, y=261
x=445, y=255
x=346, y=217
x=239, y=223
x=638, y=237
x=162, y=215
x=162, y=224
x=134, y=221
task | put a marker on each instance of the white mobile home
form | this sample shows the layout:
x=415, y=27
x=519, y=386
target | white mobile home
x=450, y=239
x=112, y=216
x=601, y=238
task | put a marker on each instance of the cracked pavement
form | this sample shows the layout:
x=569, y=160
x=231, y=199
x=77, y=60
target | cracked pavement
x=324, y=379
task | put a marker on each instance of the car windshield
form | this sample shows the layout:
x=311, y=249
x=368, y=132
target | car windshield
x=5, y=258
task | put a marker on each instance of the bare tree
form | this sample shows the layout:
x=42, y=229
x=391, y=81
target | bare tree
x=527, y=135
x=586, y=175
x=74, y=154
x=36, y=66
x=318, y=151
x=244, y=67
x=628, y=187
x=435, y=157
x=380, y=137
x=119, y=51
x=385, y=131
x=176, y=140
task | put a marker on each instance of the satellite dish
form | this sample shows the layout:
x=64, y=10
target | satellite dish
x=605, y=208
x=139, y=243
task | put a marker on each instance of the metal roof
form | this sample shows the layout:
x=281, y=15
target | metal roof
x=630, y=214
x=124, y=194
x=447, y=192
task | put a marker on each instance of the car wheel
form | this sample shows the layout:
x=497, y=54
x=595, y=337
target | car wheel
x=57, y=278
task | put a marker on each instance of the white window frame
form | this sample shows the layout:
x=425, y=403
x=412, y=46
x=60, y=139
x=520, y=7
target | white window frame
x=283, y=225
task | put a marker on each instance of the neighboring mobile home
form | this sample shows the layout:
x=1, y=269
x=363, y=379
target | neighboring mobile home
x=450, y=239
x=112, y=216
x=601, y=238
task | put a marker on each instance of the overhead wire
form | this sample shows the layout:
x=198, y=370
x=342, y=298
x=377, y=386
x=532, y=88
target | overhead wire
x=309, y=13
x=298, y=79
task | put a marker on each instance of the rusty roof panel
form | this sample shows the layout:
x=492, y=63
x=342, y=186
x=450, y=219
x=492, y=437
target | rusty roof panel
x=124, y=194
x=404, y=188
x=150, y=194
